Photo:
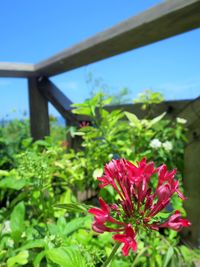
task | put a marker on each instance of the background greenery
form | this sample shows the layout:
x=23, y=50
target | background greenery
x=41, y=221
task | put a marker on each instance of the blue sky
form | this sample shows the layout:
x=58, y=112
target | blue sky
x=34, y=30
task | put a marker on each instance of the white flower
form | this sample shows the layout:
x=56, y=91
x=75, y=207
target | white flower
x=181, y=120
x=155, y=143
x=6, y=227
x=167, y=146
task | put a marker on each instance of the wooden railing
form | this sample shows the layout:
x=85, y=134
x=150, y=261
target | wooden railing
x=162, y=21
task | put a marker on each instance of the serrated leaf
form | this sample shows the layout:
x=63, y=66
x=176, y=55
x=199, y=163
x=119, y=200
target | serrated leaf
x=21, y=258
x=17, y=221
x=66, y=257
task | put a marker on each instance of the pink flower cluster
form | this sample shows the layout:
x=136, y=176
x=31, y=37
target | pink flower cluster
x=137, y=205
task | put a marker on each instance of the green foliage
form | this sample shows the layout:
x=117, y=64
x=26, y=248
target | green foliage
x=66, y=257
x=41, y=221
x=21, y=258
x=17, y=221
x=149, y=97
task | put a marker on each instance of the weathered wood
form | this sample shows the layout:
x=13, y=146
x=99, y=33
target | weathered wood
x=18, y=70
x=172, y=107
x=192, y=168
x=57, y=99
x=38, y=106
x=162, y=21
x=191, y=112
x=192, y=189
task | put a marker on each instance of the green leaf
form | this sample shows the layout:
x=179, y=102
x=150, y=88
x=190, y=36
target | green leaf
x=21, y=259
x=82, y=111
x=168, y=256
x=17, y=221
x=12, y=183
x=4, y=173
x=97, y=173
x=38, y=243
x=72, y=226
x=66, y=257
x=38, y=258
x=133, y=119
x=74, y=207
x=156, y=119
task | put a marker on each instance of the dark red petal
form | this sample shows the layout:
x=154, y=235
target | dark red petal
x=125, y=249
x=185, y=222
x=120, y=238
x=134, y=245
x=129, y=231
x=103, y=205
x=96, y=211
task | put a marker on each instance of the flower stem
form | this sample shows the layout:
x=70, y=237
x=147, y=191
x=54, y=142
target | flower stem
x=138, y=255
x=112, y=254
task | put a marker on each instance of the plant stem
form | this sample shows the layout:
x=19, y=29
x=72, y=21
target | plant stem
x=138, y=255
x=112, y=254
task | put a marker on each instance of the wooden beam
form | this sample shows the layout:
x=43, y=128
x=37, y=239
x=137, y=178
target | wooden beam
x=162, y=21
x=38, y=106
x=19, y=70
x=191, y=112
x=62, y=103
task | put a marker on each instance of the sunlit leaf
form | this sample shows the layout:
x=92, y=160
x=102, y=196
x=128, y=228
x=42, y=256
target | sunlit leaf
x=12, y=183
x=133, y=119
x=21, y=259
x=66, y=257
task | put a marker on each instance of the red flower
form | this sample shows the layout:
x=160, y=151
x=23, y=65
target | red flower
x=167, y=177
x=175, y=222
x=64, y=144
x=128, y=238
x=101, y=215
x=83, y=124
x=137, y=204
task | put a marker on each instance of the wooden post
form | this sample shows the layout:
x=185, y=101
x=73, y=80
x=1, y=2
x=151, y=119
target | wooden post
x=61, y=102
x=192, y=188
x=192, y=171
x=38, y=105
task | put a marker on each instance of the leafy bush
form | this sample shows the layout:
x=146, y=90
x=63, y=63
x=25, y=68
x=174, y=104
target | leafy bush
x=41, y=223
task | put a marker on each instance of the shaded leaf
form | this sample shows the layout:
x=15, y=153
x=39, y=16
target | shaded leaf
x=38, y=258
x=17, y=221
x=168, y=256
